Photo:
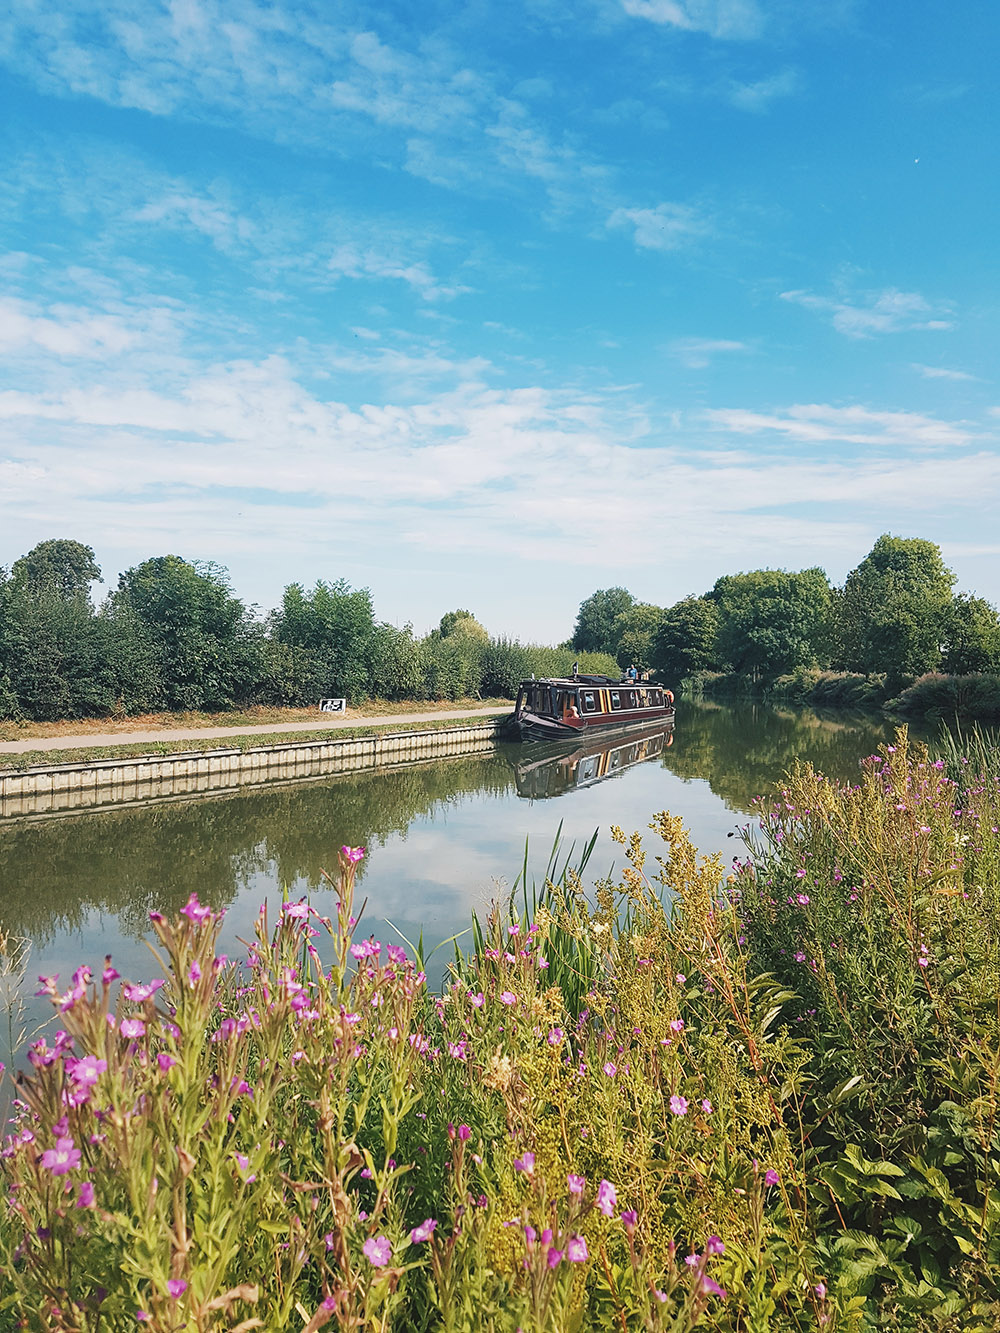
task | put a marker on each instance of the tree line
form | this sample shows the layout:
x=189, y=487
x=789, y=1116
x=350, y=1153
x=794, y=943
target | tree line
x=173, y=636
x=896, y=616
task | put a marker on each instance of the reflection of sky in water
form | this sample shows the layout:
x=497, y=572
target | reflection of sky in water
x=459, y=851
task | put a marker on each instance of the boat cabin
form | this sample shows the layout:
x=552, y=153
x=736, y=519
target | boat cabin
x=549, y=708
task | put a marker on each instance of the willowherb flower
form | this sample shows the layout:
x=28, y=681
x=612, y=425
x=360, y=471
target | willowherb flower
x=508, y=997
x=141, y=990
x=575, y=1184
x=630, y=1218
x=377, y=1249
x=85, y=1195
x=525, y=1163
x=464, y=1132
x=677, y=1025
x=194, y=911
x=554, y=1257
x=352, y=854
x=65, y=1156
x=607, y=1198
x=132, y=1028
x=678, y=1105
x=576, y=1250
x=771, y=1177
x=712, y=1288
x=176, y=1287
x=706, y=1106
x=424, y=1231
x=555, y=1037
x=610, y=1069
x=714, y=1246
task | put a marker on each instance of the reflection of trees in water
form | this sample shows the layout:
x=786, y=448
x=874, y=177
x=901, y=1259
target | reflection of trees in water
x=741, y=750
x=127, y=862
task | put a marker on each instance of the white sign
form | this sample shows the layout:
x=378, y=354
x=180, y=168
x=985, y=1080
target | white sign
x=333, y=705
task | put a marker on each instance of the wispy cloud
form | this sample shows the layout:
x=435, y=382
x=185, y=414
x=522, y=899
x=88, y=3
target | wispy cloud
x=941, y=373
x=666, y=227
x=758, y=95
x=737, y=20
x=873, y=313
x=697, y=353
x=820, y=423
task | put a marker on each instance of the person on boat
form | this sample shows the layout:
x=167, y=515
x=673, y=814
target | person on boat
x=576, y=669
x=632, y=673
x=668, y=696
x=570, y=712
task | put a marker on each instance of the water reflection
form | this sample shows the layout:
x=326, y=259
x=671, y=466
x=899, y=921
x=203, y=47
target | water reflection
x=441, y=834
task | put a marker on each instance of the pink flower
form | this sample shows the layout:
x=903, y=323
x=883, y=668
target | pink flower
x=508, y=997
x=556, y=1036
x=706, y=1106
x=424, y=1231
x=678, y=1105
x=85, y=1071
x=354, y=855
x=165, y=1061
x=141, y=991
x=133, y=1027
x=607, y=1198
x=477, y=1000
x=62, y=1158
x=677, y=1025
x=631, y=1219
x=176, y=1287
x=712, y=1288
x=141, y=1317
x=464, y=1132
x=554, y=1257
x=377, y=1249
x=85, y=1195
x=714, y=1246
x=194, y=972
x=525, y=1163
x=576, y=1184
x=771, y=1178
x=576, y=1250
x=802, y=899
x=681, y=978
x=296, y=911
x=610, y=1069
x=194, y=911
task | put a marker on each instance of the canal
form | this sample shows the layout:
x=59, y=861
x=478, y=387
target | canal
x=443, y=837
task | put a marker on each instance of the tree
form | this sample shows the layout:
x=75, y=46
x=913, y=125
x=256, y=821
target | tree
x=891, y=614
x=772, y=621
x=463, y=623
x=330, y=629
x=971, y=636
x=595, y=630
x=60, y=568
x=636, y=629
x=686, y=640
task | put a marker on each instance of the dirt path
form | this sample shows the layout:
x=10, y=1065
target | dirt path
x=328, y=723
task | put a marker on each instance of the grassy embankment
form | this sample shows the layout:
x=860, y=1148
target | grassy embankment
x=753, y=1103
x=125, y=749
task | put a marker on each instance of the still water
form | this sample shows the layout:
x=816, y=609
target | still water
x=444, y=837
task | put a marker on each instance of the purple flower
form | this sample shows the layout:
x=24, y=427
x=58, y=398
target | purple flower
x=677, y=1025
x=576, y=1250
x=712, y=1288
x=706, y=1106
x=424, y=1231
x=714, y=1246
x=194, y=911
x=508, y=997
x=165, y=1061
x=176, y=1287
x=576, y=1184
x=354, y=855
x=85, y=1195
x=771, y=1178
x=607, y=1198
x=194, y=972
x=678, y=1105
x=464, y=1132
x=610, y=1069
x=525, y=1163
x=132, y=1027
x=554, y=1257
x=802, y=899
x=85, y=1071
x=478, y=1000
x=556, y=1036
x=377, y=1249
x=630, y=1218
x=62, y=1158
x=141, y=991
x=297, y=911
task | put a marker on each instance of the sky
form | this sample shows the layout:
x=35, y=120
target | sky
x=491, y=305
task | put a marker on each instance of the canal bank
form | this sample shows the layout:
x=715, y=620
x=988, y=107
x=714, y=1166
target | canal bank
x=48, y=789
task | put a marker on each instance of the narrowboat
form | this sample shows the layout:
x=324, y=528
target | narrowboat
x=551, y=710
x=552, y=770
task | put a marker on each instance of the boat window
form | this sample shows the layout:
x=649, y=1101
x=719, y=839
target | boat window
x=630, y=699
x=657, y=698
x=589, y=701
x=616, y=699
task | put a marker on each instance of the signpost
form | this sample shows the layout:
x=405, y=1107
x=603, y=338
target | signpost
x=333, y=705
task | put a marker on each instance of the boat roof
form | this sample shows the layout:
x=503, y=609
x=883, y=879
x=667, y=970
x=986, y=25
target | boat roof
x=589, y=680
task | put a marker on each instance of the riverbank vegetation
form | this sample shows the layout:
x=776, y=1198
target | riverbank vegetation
x=791, y=635
x=173, y=636
x=761, y=1101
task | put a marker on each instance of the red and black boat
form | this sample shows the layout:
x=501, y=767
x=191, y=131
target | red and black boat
x=550, y=710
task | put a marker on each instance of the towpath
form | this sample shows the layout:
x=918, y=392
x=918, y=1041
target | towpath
x=327, y=723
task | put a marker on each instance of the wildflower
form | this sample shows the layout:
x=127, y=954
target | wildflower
x=508, y=997
x=610, y=1069
x=477, y=1000
x=820, y=1289
x=630, y=1218
x=678, y=1105
x=575, y=1184
x=176, y=1287
x=607, y=1198
x=714, y=1246
x=712, y=1288
x=800, y=874
x=109, y=974
x=530, y=1235
x=85, y=1195
x=556, y=1036
x=377, y=1249
x=515, y=929
x=62, y=1158
x=194, y=973
x=133, y=1027
x=525, y=1163
x=677, y=1025
x=296, y=911
x=681, y=978
x=554, y=1257
x=354, y=855
x=800, y=957
x=141, y=1317
x=141, y=991
x=165, y=1061
x=464, y=1132
x=771, y=1178
x=706, y=1106
x=803, y=899
x=85, y=1072
x=194, y=911
x=424, y=1231
x=576, y=1250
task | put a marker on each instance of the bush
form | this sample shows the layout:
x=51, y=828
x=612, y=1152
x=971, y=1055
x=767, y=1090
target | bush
x=962, y=698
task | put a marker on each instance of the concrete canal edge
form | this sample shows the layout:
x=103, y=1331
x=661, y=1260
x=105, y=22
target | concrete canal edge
x=104, y=783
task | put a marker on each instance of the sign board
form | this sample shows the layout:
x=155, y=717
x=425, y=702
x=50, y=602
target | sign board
x=333, y=705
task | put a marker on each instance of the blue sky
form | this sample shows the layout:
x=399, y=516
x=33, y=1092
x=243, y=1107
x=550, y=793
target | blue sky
x=495, y=304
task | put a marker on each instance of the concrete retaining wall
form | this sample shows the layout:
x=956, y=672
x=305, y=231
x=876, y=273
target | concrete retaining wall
x=57, y=788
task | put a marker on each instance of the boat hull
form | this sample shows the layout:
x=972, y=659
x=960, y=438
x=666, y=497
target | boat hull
x=537, y=727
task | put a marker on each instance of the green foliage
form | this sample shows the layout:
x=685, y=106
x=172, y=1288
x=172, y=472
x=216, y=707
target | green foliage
x=892, y=614
x=686, y=641
x=59, y=568
x=329, y=628
x=636, y=630
x=462, y=622
x=772, y=621
x=936, y=697
x=596, y=629
x=971, y=636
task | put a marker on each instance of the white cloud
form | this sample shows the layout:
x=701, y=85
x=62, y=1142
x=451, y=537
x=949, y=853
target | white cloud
x=887, y=311
x=665, y=227
x=697, y=353
x=65, y=331
x=940, y=373
x=759, y=95
x=732, y=19
x=819, y=423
